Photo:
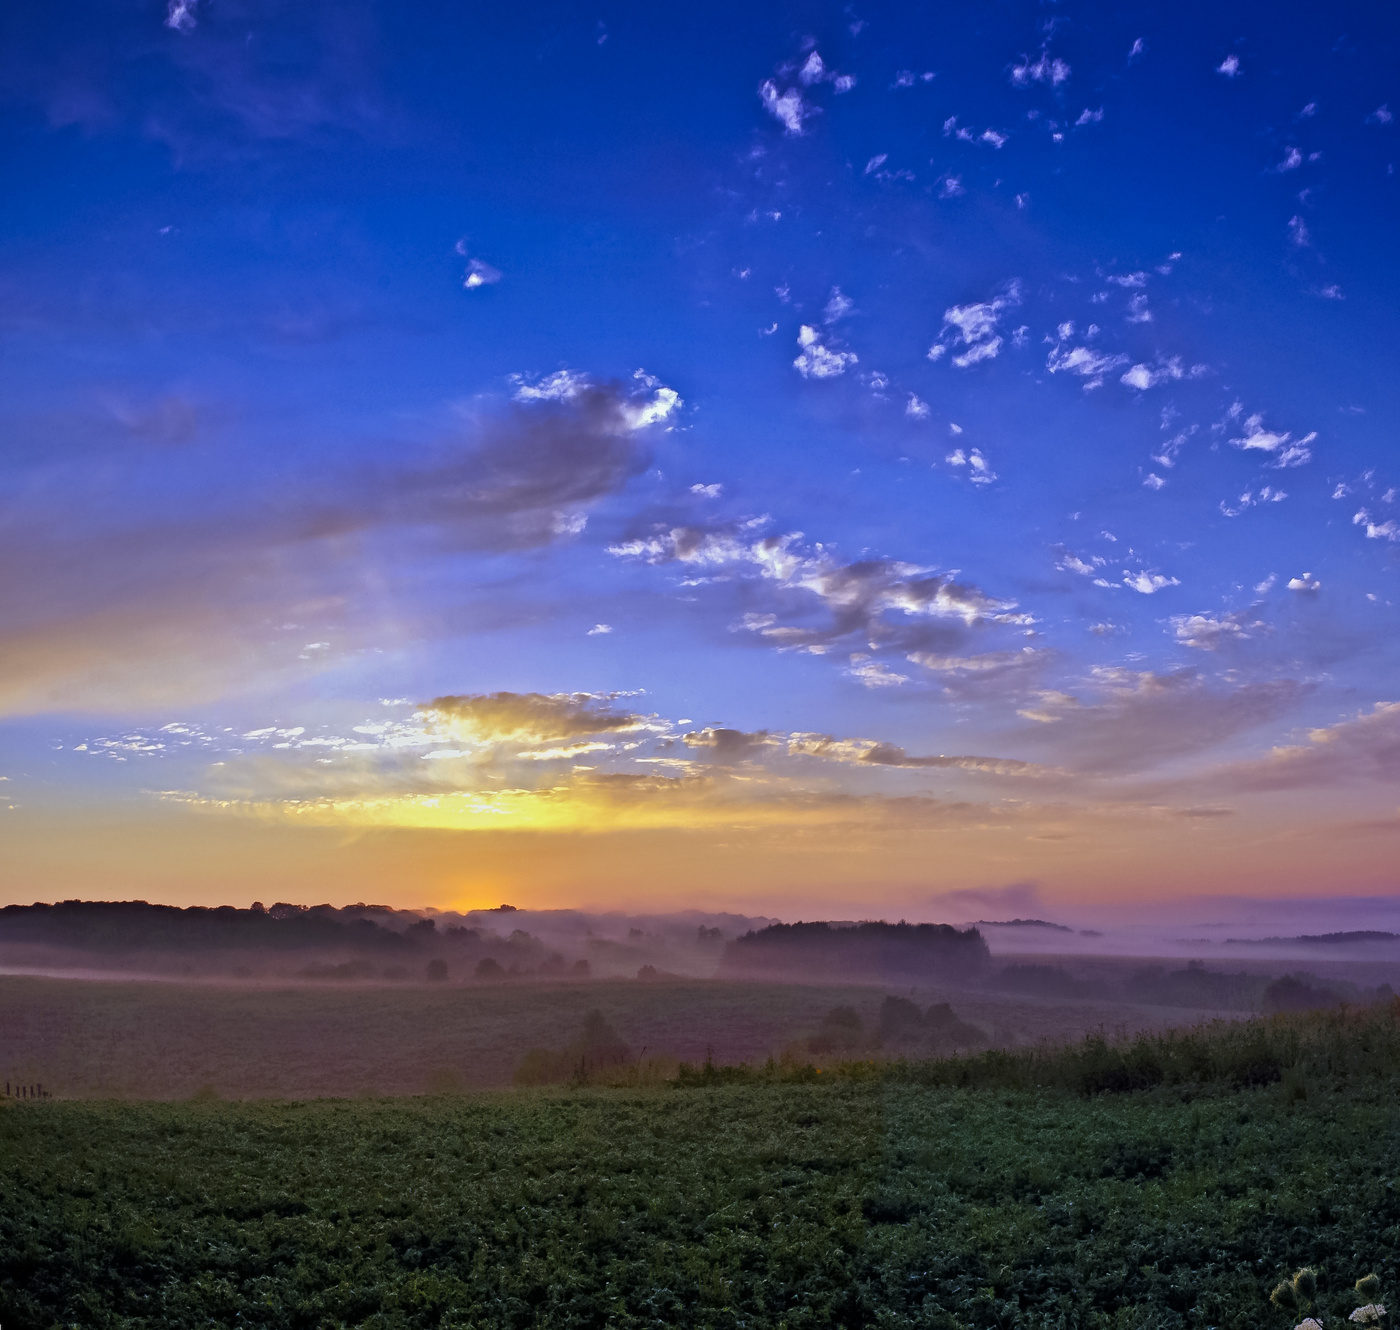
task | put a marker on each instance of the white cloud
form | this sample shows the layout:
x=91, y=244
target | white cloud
x=480, y=274
x=876, y=162
x=787, y=108
x=916, y=408
x=1249, y=499
x=857, y=595
x=1286, y=450
x=979, y=469
x=994, y=137
x=180, y=16
x=813, y=71
x=1084, y=361
x=979, y=352
x=951, y=187
x=1139, y=47
x=1088, y=117
x=708, y=491
x=1292, y=160
x=1230, y=66
x=1298, y=232
x=874, y=673
x=1387, y=530
x=1071, y=563
x=816, y=361
x=599, y=630
x=1044, y=69
x=1307, y=583
x=1143, y=377
x=1153, y=481
x=1210, y=632
x=1382, y=115
x=561, y=386
x=838, y=306
x=1148, y=583
x=975, y=328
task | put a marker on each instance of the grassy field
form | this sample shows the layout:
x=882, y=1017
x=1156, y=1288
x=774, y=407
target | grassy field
x=1004, y=1190
x=173, y=1040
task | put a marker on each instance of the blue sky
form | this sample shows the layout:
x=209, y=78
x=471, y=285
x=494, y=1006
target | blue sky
x=774, y=456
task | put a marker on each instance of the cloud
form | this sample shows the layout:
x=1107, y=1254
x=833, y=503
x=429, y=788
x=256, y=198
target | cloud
x=787, y=108
x=1072, y=563
x=1253, y=499
x=876, y=601
x=916, y=408
x=874, y=673
x=1091, y=365
x=974, y=327
x=872, y=752
x=1131, y=720
x=1387, y=530
x=1044, y=69
x=1382, y=115
x=1307, y=584
x=1230, y=66
x=731, y=746
x=818, y=361
x=479, y=274
x=1211, y=632
x=99, y=610
x=1364, y=748
x=1018, y=900
x=1143, y=377
x=530, y=717
x=599, y=630
x=979, y=469
x=180, y=15
x=204, y=86
x=815, y=70
x=1284, y=448
x=838, y=307
x=1147, y=583
x=1298, y=232
x=1088, y=117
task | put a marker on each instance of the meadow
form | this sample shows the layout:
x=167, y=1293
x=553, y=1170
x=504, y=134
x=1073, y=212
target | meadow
x=171, y=1040
x=1164, y=1181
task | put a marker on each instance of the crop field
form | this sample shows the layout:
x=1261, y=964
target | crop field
x=162, y=1040
x=1035, y=1189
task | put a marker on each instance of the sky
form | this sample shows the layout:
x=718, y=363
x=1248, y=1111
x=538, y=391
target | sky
x=827, y=460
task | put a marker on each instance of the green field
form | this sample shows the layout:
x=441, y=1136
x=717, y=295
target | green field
x=1004, y=1190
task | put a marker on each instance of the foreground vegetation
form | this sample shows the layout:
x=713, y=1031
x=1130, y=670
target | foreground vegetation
x=1171, y=1182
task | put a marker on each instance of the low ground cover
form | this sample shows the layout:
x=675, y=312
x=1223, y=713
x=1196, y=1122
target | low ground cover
x=869, y=1195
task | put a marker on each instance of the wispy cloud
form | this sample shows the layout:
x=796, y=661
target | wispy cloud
x=816, y=360
x=875, y=601
x=1283, y=448
x=787, y=107
x=1044, y=68
x=90, y=607
x=974, y=328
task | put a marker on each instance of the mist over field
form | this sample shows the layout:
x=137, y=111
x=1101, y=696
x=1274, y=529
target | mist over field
x=132, y=999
